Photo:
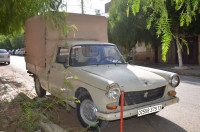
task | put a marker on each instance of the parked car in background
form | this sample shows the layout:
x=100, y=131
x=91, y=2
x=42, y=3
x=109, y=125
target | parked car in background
x=9, y=51
x=4, y=56
x=17, y=52
x=12, y=51
x=22, y=51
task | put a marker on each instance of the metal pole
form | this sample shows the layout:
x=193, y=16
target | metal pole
x=82, y=10
x=122, y=111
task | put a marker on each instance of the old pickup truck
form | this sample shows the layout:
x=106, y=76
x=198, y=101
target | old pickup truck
x=94, y=72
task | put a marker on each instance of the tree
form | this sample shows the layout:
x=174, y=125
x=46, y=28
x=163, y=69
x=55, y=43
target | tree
x=8, y=44
x=159, y=18
x=18, y=42
x=98, y=12
x=13, y=42
x=14, y=13
x=127, y=31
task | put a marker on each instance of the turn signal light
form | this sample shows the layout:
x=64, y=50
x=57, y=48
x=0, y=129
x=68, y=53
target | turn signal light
x=111, y=106
x=172, y=93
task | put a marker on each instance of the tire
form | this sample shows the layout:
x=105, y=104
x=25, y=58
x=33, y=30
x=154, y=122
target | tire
x=86, y=113
x=39, y=90
x=8, y=63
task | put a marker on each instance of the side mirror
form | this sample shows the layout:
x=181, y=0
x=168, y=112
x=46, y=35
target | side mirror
x=129, y=59
x=62, y=59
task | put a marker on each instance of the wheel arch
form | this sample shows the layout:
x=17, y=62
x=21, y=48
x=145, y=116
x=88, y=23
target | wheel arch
x=80, y=90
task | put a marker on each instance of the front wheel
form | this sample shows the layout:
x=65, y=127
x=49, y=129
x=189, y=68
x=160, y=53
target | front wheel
x=39, y=90
x=86, y=112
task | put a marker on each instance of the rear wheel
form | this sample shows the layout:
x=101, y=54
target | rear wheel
x=86, y=112
x=39, y=90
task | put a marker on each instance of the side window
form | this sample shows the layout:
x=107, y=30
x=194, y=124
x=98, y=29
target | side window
x=62, y=55
x=110, y=52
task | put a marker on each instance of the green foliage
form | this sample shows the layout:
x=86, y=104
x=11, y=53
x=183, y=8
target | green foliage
x=6, y=44
x=127, y=31
x=15, y=13
x=159, y=14
x=33, y=111
x=12, y=42
x=30, y=126
x=18, y=41
x=95, y=125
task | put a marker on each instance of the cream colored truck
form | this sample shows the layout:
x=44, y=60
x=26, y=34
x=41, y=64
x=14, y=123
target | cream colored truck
x=93, y=71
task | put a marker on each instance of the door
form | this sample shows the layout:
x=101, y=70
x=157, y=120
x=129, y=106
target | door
x=58, y=72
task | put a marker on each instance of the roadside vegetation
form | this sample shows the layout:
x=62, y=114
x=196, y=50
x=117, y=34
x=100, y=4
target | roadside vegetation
x=153, y=21
x=12, y=42
x=21, y=110
x=29, y=115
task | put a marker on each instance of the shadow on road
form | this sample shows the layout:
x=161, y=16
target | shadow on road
x=149, y=123
x=190, y=80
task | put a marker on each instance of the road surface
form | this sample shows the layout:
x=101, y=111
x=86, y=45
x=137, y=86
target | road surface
x=181, y=117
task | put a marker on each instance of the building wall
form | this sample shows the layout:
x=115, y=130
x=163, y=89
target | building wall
x=144, y=53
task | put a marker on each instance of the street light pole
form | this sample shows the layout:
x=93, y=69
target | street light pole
x=82, y=7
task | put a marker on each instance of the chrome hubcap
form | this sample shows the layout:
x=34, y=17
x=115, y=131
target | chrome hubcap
x=88, y=111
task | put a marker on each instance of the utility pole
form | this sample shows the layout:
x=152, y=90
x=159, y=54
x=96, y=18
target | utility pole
x=82, y=7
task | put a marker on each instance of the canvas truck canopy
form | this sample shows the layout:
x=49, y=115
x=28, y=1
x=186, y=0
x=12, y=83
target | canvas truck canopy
x=41, y=40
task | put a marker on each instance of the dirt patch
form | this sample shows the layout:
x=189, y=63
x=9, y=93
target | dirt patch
x=18, y=112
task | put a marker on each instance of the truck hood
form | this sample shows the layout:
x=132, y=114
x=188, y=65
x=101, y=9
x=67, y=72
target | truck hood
x=127, y=76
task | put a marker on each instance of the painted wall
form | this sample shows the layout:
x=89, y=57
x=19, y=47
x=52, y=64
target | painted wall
x=144, y=53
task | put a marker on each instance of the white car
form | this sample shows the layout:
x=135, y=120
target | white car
x=4, y=56
x=96, y=75
x=17, y=52
x=22, y=51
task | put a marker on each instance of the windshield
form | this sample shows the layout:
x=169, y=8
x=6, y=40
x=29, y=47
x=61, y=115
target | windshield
x=3, y=51
x=95, y=55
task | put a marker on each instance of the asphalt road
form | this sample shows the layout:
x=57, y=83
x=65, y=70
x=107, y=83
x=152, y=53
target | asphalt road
x=18, y=63
x=181, y=117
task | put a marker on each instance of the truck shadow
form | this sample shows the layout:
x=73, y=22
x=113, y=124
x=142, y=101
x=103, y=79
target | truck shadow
x=149, y=123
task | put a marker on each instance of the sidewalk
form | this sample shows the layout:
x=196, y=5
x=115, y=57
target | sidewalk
x=190, y=70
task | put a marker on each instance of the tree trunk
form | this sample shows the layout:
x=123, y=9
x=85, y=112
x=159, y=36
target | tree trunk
x=180, y=61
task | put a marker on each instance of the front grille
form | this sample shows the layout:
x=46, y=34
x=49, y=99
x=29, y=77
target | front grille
x=132, y=98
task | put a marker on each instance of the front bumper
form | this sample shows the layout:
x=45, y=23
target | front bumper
x=132, y=112
x=4, y=60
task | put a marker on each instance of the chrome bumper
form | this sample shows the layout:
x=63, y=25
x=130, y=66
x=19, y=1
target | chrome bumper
x=133, y=112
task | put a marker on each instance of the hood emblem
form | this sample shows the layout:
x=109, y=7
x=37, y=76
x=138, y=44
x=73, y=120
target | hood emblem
x=146, y=94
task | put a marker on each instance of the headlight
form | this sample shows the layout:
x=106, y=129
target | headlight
x=113, y=91
x=174, y=80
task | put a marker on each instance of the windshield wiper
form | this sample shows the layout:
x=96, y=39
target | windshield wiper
x=119, y=59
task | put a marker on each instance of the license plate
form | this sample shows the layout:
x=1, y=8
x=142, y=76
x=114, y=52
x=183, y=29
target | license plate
x=1, y=56
x=149, y=110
